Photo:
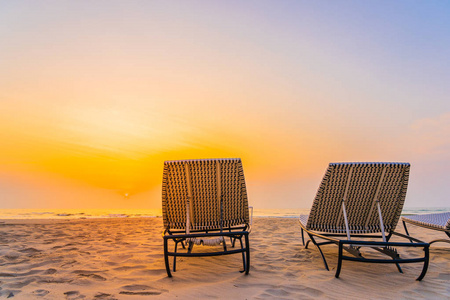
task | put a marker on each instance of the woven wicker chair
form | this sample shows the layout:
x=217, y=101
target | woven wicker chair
x=358, y=205
x=204, y=202
x=440, y=222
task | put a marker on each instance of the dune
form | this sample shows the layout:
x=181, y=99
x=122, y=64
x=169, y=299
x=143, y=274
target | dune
x=123, y=259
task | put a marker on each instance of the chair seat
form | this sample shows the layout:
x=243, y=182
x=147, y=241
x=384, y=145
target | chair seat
x=439, y=221
x=332, y=229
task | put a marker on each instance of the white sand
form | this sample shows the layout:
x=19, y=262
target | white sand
x=122, y=259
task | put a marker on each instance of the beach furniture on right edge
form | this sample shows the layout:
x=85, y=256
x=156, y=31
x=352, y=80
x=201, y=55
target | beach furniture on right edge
x=204, y=203
x=358, y=205
x=440, y=222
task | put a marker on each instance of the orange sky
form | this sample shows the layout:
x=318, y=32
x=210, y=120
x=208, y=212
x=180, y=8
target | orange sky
x=96, y=96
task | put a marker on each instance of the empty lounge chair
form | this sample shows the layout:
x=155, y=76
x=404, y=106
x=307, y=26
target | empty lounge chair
x=204, y=203
x=358, y=205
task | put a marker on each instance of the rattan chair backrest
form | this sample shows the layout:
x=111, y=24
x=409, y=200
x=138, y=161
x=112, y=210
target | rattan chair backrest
x=360, y=185
x=216, y=190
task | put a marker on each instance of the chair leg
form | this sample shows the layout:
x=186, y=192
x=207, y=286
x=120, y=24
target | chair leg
x=190, y=246
x=307, y=243
x=339, y=265
x=397, y=264
x=234, y=242
x=247, y=247
x=224, y=245
x=175, y=257
x=243, y=256
x=406, y=230
x=320, y=250
x=166, y=258
x=303, y=238
x=425, y=264
x=389, y=236
x=399, y=268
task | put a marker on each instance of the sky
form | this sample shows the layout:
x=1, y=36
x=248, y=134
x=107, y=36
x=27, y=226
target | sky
x=96, y=95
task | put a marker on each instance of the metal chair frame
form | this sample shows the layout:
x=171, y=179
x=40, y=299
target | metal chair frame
x=234, y=233
x=354, y=246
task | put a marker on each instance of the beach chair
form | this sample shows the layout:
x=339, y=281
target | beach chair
x=440, y=222
x=204, y=203
x=358, y=205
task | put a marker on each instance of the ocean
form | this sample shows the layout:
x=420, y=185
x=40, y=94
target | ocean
x=151, y=213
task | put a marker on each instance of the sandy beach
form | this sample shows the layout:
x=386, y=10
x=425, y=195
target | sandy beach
x=123, y=259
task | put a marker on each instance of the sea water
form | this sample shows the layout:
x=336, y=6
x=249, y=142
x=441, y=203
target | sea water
x=152, y=213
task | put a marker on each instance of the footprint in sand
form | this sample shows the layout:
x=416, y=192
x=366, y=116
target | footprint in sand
x=93, y=276
x=278, y=292
x=20, y=283
x=50, y=271
x=40, y=293
x=104, y=296
x=140, y=289
x=73, y=295
x=30, y=251
x=10, y=254
x=308, y=291
x=9, y=293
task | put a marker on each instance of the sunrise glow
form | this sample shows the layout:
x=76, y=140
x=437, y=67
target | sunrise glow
x=94, y=99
